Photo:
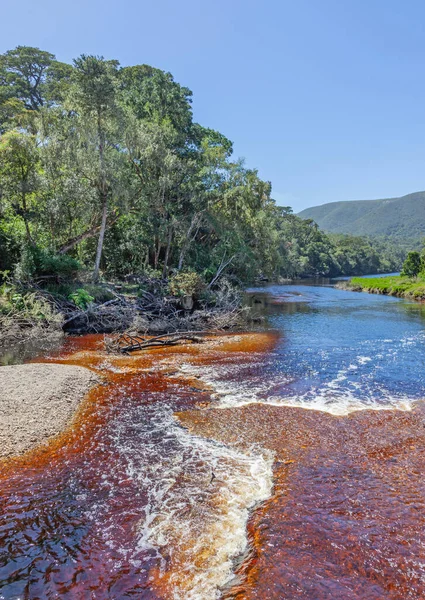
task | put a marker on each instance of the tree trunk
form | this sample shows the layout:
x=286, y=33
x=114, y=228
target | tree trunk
x=220, y=270
x=101, y=238
x=28, y=232
x=157, y=250
x=79, y=238
x=167, y=251
x=103, y=195
x=24, y=216
x=196, y=219
x=83, y=236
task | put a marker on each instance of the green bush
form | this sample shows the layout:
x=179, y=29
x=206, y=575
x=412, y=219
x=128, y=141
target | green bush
x=99, y=293
x=61, y=265
x=186, y=284
x=26, y=307
x=26, y=268
x=81, y=298
x=412, y=265
x=36, y=262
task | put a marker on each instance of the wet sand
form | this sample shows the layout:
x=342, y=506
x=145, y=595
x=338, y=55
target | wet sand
x=37, y=401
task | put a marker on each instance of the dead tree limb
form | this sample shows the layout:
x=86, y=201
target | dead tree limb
x=127, y=343
x=220, y=269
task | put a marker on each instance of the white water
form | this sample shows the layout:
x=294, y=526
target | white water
x=338, y=396
x=339, y=359
x=199, y=496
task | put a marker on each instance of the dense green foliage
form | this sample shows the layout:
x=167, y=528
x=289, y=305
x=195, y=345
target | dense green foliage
x=412, y=266
x=102, y=168
x=401, y=219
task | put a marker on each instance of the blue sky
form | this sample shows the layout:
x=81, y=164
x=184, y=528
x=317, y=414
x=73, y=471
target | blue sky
x=325, y=97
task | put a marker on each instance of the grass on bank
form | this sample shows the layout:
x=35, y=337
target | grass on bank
x=396, y=285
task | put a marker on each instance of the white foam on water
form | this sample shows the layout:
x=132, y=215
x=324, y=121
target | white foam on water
x=362, y=360
x=199, y=493
x=338, y=396
x=340, y=405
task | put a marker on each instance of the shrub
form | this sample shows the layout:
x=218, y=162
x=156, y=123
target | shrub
x=186, y=284
x=81, y=298
x=26, y=267
x=412, y=265
x=61, y=265
x=99, y=293
x=36, y=262
x=25, y=308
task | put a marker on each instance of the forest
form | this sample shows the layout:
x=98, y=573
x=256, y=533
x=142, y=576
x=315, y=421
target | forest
x=104, y=172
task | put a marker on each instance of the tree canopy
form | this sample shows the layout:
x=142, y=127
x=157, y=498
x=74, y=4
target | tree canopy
x=105, y=164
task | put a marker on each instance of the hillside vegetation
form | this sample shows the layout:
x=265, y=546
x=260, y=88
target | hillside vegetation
x=399, y=218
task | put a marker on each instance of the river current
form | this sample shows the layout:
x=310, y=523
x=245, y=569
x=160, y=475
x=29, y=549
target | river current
x=202, y=473
x=338, y=351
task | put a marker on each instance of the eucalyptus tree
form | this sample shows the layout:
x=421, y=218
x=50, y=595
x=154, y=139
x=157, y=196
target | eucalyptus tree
x=97, y=121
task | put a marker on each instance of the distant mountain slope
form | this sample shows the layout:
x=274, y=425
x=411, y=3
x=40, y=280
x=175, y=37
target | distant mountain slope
x=396, y=217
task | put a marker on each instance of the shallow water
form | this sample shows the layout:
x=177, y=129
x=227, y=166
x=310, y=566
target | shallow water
x=340, y=351
x=183, y=456
x=128, y=503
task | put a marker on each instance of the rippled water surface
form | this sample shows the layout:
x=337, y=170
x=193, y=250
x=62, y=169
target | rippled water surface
x=342, y=350
x=198, y=473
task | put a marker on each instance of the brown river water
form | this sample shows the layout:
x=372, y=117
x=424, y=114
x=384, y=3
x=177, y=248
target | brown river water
x=200, y=472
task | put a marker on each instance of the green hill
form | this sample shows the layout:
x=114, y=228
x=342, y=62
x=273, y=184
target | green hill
x=401, y=218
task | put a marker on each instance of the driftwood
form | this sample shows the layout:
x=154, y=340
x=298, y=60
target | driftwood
x=126, y=342
x=151, y=312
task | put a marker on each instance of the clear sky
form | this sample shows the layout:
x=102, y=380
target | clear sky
x=325, y=97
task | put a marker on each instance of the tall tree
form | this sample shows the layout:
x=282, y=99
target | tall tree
x=23, y=75
x=94, y=97
x=153, y=95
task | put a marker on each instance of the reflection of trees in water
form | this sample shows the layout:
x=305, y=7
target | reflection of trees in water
x=414, y=310
x=20, y=352
x=265, y=303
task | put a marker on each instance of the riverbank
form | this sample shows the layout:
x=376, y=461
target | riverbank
x=108, y=479
x=37, y=402
x=145, y=306
x=401, y=287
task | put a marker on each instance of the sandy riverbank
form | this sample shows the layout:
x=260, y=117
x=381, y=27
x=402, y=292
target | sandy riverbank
x=37, y=401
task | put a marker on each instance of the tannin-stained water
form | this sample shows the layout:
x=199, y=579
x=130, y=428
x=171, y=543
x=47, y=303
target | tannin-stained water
x=127, y=503
x=182, y=456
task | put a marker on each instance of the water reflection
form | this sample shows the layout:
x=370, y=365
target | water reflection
x=15, y=353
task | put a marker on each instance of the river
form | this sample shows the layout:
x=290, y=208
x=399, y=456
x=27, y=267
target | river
x=279, y=464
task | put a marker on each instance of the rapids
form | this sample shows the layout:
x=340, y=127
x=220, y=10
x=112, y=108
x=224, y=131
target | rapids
x=196, y=473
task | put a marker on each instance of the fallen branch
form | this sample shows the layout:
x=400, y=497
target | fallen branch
x=127, y=343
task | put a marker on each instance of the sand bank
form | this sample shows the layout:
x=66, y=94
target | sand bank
x=37, y=401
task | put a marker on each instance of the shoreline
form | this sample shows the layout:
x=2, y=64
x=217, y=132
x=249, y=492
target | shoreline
x=396, y=286
x=38, y=402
